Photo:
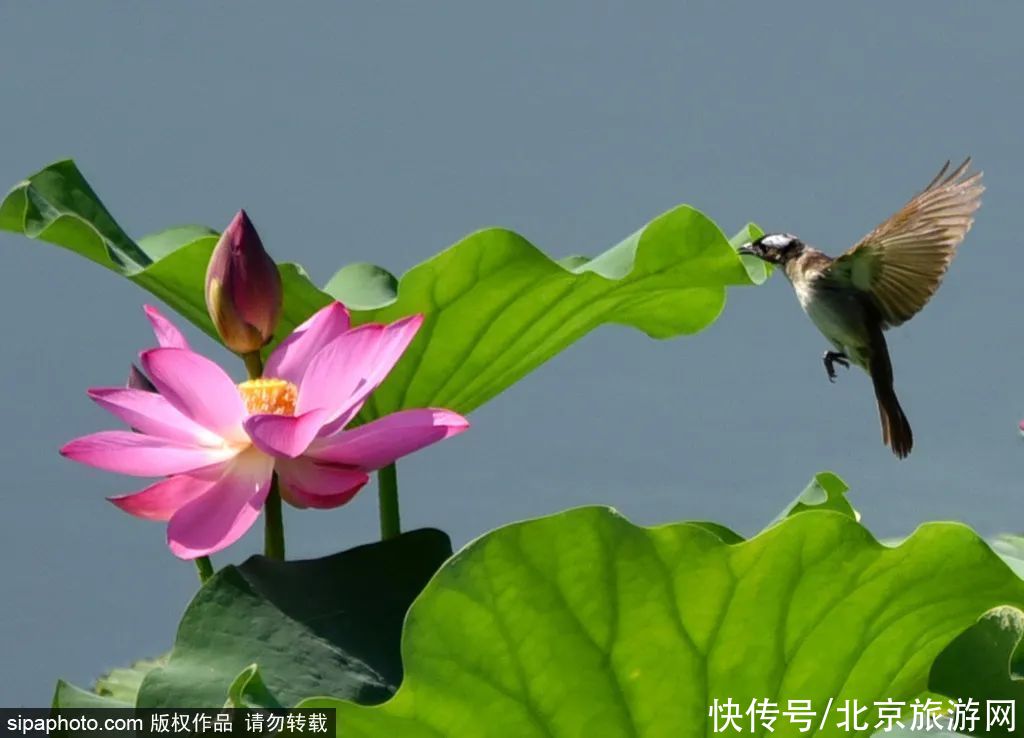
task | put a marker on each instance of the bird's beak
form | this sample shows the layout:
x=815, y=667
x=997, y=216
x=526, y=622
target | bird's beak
x=746, y=249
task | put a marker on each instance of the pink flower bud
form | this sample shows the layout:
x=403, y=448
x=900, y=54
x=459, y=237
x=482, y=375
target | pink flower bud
x=243, y=288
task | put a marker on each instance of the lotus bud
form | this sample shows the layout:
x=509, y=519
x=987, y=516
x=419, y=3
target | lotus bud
x=243, y=288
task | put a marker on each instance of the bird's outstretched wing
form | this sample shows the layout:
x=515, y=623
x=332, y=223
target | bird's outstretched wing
x=903, y=260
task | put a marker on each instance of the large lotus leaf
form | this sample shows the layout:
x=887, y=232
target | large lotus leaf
x=323, y=625
x=57, y=205
x=496, y=307
x=970, y=679
x=977, y=666
x=583, y=624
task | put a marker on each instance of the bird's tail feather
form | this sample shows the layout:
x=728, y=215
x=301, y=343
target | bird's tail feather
x=896, y=433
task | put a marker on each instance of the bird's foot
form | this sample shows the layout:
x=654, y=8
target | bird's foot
x=830, y=359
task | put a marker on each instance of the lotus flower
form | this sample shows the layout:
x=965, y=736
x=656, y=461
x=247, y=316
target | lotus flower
x=217, y=444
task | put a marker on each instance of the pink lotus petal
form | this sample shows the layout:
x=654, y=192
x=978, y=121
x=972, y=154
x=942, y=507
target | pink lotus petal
x=306, y=483
x=284, y=436
x=167, y=334
x=339, y=369
x=141, y=455
x=150, y=413
x=386, y=439
x=199, y=389
x=223, y=513
x=397, y=337
x=290, y=359
x=161, y=500
x=342, y=420
x=352, y=366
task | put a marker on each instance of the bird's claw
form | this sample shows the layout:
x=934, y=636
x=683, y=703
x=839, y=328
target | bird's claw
x=830, y=359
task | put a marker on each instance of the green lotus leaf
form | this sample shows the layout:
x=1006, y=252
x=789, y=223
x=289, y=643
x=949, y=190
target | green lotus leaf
x=117, y=688
x=583, y=624
x=827, y=491
x=1011, y=548
x=123, y=684
x=248, y=690
x=915, y=732
x=329, y=624
x=495, y=306
x=68, y=696
x=977, y=666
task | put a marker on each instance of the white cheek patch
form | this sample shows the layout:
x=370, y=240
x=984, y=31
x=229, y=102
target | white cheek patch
x=778, y=240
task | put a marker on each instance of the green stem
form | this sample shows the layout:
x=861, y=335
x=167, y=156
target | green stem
x=253, y=364
x=273, y=531
x=387, y=491
x=205, y=567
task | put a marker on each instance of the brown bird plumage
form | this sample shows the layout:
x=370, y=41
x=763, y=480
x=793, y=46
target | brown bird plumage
x=881, y=282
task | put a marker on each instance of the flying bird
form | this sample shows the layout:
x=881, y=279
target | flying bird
x=881, y=282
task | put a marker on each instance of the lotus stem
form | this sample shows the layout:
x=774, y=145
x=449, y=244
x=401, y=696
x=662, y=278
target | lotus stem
x=253, y=364
x=205, y=568
x=273, y=531
x=387, y=491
